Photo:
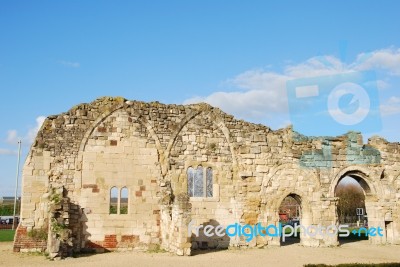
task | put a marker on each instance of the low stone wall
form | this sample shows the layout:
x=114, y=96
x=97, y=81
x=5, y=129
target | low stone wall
x=24, y=243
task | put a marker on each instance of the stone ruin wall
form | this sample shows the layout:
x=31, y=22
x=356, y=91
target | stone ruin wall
x=78, y=156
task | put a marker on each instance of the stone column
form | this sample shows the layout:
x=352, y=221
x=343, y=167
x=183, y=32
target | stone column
x=180, y=241
x=376, y=218
x=329, y=220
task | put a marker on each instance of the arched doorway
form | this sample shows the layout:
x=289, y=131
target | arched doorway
x=351, y=209
x=369, y=218
x=290, y=214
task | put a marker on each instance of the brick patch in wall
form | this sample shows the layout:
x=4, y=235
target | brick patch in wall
x=93, y=186
x=23, y=241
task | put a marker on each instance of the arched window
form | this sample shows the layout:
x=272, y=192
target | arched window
x=209, y=182
x=123, y=206
x=114, y=200
x=200, y=182
x=190, y=175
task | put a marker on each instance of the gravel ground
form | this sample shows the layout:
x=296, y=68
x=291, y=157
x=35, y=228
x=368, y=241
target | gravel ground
x=291, y=255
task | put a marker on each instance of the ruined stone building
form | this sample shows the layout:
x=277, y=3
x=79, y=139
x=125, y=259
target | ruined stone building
x=117, y=174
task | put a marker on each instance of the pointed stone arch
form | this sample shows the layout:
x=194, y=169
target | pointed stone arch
x=98, y=121
x=216, y=119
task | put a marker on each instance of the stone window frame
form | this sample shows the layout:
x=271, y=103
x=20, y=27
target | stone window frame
x=119, y=189
x=215, y=186
x=127, y=200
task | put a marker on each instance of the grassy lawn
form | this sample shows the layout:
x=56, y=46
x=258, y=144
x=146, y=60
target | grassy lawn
x=7, y=235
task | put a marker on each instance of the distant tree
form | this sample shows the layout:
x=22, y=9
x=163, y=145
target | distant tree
x=351, y=197
x=6, y=210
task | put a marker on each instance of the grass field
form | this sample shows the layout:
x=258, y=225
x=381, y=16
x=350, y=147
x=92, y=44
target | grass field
x=7, y=235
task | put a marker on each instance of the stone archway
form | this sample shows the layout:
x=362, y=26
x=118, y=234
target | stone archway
x=287, y=222
x=288, y=180
x=272, y=215
x=371, y=189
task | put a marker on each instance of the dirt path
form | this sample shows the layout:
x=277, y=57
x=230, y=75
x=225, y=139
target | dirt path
x=293, y=255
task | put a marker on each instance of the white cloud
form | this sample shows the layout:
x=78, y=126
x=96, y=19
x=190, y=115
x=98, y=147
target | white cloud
x=385, y=59
x=258, y=92
x=316, y=66
x=31, y=135
x=264, y=91
x=391, y=107
x=390, y=110
x=7, y=152
x=13, y=137
x=70, y=64
x=382, y=84
x=394, y=100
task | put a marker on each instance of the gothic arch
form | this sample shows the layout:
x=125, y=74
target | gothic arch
x=363, y=175
x=175, y=134
x=108, y=113
x=95, y=124
x=289, y=167
x=278, y=198
x=102, y=118
x=216, y=120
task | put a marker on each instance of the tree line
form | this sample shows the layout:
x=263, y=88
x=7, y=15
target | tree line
x=351, y=196
x=8, y=209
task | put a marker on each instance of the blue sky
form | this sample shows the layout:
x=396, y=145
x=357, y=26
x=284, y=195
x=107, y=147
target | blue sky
x=237, y=55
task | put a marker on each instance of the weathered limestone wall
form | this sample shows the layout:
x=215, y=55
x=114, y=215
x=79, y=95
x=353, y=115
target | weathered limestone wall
x=201, y=142
x=119, y=154
x=149, y=147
